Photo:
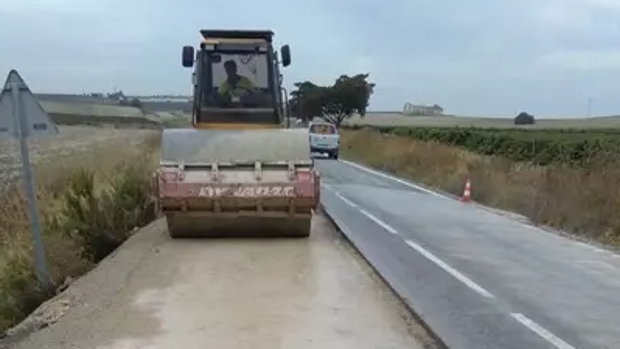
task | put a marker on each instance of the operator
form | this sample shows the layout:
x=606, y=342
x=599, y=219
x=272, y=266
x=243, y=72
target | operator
x=235, y=84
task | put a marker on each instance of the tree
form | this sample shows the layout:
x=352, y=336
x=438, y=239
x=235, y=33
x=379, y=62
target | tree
x=524, y=119
x=335, y=103
x=307, y=100
x=134, y=102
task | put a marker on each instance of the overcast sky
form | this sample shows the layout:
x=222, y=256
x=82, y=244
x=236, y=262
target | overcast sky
x=474, y=57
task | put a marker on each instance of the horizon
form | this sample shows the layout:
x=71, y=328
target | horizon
x=374, y=111
x=541, y=117
x=549, y=57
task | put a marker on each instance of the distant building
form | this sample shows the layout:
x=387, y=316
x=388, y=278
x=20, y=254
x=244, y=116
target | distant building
x=422, y=110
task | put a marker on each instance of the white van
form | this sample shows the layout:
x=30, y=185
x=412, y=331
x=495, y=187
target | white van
x=324, y=138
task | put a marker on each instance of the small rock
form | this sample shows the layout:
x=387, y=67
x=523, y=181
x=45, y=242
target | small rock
x=68, y=281
x=53, y=312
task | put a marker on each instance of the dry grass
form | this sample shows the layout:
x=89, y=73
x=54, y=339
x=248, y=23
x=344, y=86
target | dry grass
x=106, y=161
x=581, y=201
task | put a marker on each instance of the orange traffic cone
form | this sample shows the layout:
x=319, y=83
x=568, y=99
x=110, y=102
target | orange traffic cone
x=467, y=192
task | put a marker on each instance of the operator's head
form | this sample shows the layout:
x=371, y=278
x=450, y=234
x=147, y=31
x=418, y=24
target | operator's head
x=231, y=67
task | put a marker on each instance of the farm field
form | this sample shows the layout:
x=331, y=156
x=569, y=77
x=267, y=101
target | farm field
x=372, y=118
x=90, y=114
x=397, y=119
x=91, y=109
x=68, y=149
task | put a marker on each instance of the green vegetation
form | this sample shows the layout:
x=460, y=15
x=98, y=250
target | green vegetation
x=86, y=213
x=540, y=146
x=335, y=103
x=134, y=102
x=524, y=119
x=100, y=221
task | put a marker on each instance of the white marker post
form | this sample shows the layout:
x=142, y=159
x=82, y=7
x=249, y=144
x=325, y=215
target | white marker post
x=23, y=117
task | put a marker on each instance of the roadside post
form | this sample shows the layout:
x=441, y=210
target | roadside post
x=22, y=117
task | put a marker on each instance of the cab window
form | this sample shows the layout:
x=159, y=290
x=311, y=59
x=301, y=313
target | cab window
x=323, y=129
x=239, y=81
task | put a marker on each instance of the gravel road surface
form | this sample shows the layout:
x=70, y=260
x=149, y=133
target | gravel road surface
x=155, y=292
x=477, y=278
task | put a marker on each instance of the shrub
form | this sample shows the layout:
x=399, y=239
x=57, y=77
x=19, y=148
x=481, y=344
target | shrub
x=20, y=293
x=102, y=220
x=524, y=119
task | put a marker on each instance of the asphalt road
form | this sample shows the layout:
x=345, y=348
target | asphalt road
x=155, y=292
x=477, y=278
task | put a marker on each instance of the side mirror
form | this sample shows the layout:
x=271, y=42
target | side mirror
x=285, y=52
x=187, y=57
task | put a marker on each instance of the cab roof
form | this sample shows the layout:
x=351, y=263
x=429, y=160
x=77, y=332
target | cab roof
x=266, y=35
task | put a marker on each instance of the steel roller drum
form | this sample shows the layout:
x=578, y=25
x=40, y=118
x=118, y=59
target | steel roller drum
x=237, y=146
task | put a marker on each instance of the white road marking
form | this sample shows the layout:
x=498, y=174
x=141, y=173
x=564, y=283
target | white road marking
x=548, y=336
x=381, y=223
x=524, y=320
x=488, y=209
x=372, y=217
x=395, y=179
x=462, y=278
x=594, y=248
x=345, y=200
x=468, y=282
x=597, y=265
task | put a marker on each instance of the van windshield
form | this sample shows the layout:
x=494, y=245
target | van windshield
x=325, y=129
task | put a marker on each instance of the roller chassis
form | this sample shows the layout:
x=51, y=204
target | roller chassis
x=209, y=199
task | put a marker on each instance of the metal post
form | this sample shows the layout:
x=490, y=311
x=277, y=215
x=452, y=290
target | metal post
x=39, y=249
x=287, y=110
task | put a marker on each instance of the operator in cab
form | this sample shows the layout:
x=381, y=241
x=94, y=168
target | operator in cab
x=235, y=85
